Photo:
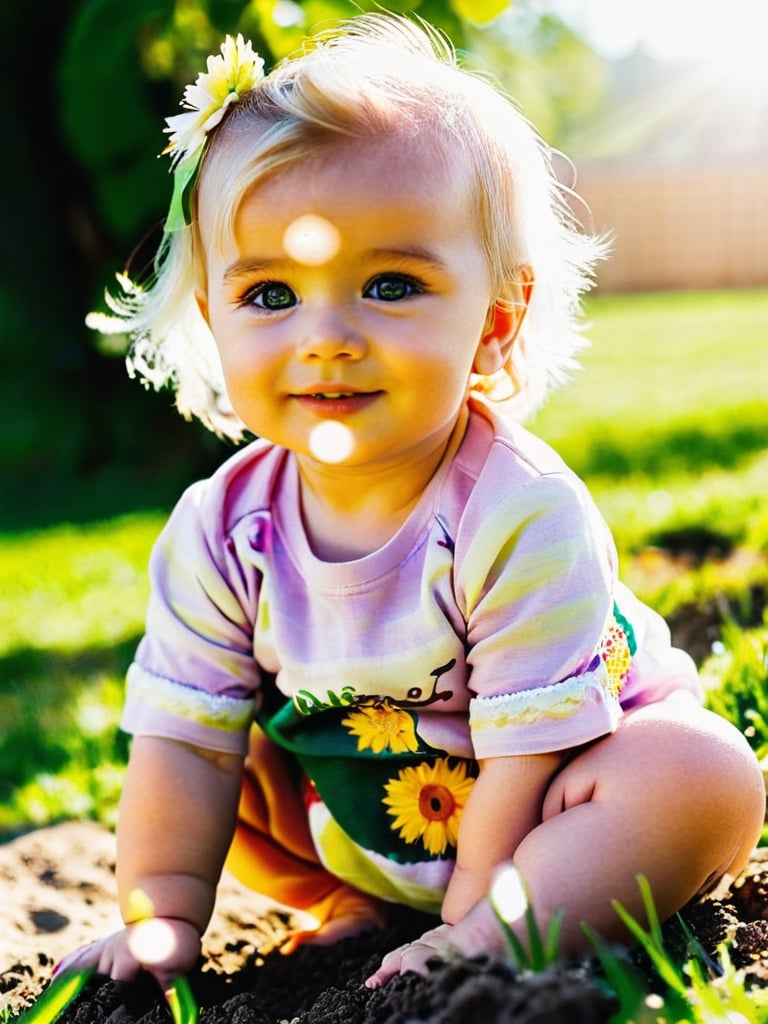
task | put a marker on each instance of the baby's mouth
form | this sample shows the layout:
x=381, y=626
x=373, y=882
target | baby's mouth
x=336, y=395
x=337, y=402
x=329, y=395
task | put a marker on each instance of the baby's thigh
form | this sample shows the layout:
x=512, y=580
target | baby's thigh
x=673, y=766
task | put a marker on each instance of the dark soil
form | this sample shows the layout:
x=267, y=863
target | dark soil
x=57, y=892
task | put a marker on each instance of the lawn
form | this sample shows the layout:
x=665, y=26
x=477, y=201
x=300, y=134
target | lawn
x=667, y=423
x=72, y=603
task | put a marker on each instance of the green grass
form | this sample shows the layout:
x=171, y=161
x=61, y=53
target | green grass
x=71, y=588
x=667, y=424
x=659, y=360
x=696, y=989
x=72, y=605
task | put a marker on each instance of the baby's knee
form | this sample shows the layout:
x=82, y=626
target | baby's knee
x=732, y=808
x=707, y=781
x=729, y=771
x=736, y=782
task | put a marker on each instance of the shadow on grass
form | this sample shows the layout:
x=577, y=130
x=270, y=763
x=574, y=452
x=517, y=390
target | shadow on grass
x=32, y=503
x=59, y=709
x=687, y=449
x=43, y=499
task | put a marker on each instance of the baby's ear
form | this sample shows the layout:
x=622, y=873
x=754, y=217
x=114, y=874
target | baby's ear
x=502, y=325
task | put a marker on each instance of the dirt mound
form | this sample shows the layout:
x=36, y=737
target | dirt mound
x=57, y=887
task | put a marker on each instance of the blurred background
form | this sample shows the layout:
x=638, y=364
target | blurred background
x=662, y=107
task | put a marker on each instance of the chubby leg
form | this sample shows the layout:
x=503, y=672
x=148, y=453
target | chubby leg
x=674, y=794
x=272, y=851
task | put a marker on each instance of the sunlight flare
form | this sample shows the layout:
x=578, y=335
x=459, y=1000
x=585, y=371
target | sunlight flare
x=152, y=941
x=311, y=240
x=331, y=442
x=508, y=894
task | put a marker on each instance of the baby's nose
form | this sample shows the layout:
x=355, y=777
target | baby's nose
x=330, y=334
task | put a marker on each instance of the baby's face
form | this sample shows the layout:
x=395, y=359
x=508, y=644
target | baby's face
x=353, y=303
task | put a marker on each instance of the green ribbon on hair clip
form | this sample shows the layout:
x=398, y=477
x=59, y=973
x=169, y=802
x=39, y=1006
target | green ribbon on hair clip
x=230, y=75
x=184, y=175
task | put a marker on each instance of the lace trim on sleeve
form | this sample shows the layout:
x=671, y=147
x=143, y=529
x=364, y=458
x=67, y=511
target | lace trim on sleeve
x=212, y=710
x=546, y=718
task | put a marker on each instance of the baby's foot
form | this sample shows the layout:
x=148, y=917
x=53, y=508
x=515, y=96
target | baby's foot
x=334, y=931
x=478, y=933
x=352, y=914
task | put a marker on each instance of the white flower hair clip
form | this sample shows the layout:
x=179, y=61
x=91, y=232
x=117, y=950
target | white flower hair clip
x=230, y=75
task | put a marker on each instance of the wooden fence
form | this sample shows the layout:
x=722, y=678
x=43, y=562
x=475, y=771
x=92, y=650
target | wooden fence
x=688, y=229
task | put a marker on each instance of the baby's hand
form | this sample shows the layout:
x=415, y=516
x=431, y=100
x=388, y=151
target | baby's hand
x=165, y=947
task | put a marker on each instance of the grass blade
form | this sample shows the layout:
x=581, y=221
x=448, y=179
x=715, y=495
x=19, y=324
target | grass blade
x=658, y=955
x=552, y=943
x=182, y=1002
x=622, y=979
x=56, y=998
x=651, y=913
x=538, y=962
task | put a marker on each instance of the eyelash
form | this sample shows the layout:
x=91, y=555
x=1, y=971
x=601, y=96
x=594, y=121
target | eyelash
x=412, y=286
x=250, y=296
x=415, y=286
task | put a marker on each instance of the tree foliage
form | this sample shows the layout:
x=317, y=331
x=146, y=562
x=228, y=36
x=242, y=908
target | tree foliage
x=85, y=186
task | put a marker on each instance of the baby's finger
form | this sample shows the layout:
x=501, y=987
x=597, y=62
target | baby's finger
x=81, y=959
x=389, y=967
x=414, y=956
x=118, y=962
x=417, y=956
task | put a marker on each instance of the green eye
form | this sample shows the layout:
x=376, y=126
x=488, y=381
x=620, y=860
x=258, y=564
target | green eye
x=392, y=288
x=273, y=295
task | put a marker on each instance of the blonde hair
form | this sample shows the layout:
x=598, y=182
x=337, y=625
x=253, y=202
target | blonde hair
x=377, y=75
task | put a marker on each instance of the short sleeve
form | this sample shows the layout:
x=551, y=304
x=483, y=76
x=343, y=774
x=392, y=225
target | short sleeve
x=194, y=677
x=535, y=576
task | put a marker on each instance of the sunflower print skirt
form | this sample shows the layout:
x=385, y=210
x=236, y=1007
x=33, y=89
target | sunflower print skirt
x=349, y=795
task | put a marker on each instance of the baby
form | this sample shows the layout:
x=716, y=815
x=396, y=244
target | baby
x=387, y=649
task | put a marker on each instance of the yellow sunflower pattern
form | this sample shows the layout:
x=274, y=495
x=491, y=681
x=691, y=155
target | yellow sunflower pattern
x=427, y=801
x=382, y=726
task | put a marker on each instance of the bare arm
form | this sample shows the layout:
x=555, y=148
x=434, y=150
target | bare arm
x=503, y=807
x=177, y=816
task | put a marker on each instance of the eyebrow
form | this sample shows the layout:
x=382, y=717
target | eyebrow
x=250, y=265
x=415, y=253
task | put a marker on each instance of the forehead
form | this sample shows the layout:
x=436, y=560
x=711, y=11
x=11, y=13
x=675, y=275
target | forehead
x=418, y=156
x=382, y=174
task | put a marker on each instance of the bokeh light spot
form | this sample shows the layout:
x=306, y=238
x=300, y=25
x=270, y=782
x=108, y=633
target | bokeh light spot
x=331, y=442
x=140, y=906
x=311, y=240
x=152, y=942
x=508, y=894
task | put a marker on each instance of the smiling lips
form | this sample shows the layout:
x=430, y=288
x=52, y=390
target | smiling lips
x=336, y=402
